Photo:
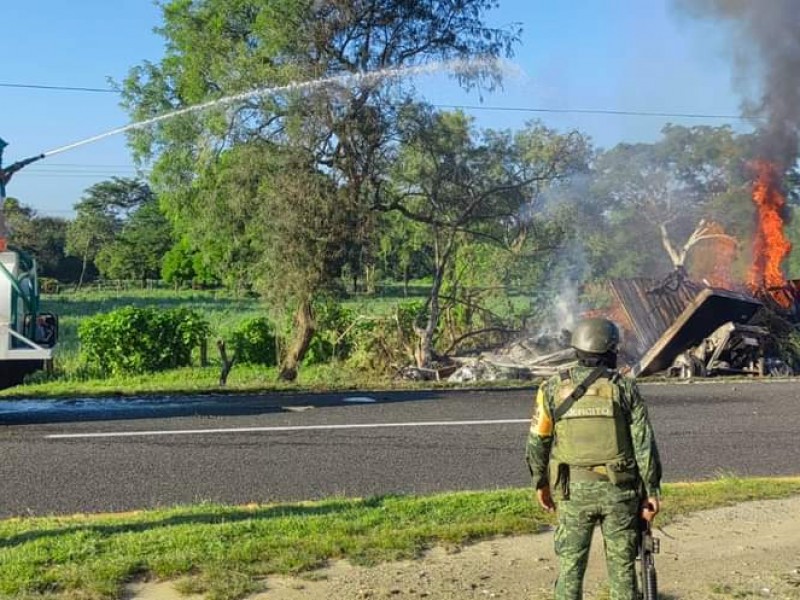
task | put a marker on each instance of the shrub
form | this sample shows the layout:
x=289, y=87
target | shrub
x=140, y=340
x=334, y=333
x=385, y=344
x=254, y=340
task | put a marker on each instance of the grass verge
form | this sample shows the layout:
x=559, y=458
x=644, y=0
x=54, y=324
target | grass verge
x=243, y=379
x=224, y=551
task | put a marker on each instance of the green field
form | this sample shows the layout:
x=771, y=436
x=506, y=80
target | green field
x=222, y=311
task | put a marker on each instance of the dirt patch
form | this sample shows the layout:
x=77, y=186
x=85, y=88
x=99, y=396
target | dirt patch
x=751, y=550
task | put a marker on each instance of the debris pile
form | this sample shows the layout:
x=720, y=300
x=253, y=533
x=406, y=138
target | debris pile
x=673, y=326
x=702, y=328
x=522, y=359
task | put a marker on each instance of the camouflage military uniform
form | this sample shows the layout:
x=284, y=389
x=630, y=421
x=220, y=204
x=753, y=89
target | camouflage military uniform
x=587, y=495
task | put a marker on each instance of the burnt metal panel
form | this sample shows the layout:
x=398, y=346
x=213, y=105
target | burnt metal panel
x=651, y=307
x=710, y=309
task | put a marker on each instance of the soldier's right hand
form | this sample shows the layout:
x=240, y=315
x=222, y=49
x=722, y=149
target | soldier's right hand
x=650, y=508
x=545, y=498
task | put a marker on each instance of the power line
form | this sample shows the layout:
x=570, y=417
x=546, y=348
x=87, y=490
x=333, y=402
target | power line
x=61, y=88
x=83, y=165
x=586, y=111
x=592, y=111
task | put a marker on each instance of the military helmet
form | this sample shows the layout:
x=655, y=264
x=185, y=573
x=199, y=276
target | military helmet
x=595, y=336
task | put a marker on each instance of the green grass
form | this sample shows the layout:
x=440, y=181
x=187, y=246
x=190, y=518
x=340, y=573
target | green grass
x=225, y=552
x=188, y=380
x=242, y=379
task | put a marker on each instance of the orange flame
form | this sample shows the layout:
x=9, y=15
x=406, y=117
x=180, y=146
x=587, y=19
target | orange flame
x=770, y=246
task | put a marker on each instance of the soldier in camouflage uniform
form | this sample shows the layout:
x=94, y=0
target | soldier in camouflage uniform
x=596, y=460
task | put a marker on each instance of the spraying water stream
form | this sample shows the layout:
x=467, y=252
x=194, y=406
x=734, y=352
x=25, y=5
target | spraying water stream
x=456, y=67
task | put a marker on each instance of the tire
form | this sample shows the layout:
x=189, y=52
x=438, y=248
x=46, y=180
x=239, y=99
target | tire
x=13, y=372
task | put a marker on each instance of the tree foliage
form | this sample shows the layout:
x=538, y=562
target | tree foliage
x=334, y=130
x=140, y=340
x=42, y=237
x=255, y=342
x=659, y=192
x=138, y=249
x=464, y=188
x=119, y=228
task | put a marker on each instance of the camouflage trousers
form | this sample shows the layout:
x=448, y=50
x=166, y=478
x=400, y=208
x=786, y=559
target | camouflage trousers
x=616, y=511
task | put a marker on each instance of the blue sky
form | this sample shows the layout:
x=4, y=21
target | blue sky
x=629, y=55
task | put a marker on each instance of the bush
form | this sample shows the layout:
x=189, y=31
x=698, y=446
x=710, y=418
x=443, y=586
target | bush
x=255, y=343
x=388, y=343
x=334, y=335
x=133, y=340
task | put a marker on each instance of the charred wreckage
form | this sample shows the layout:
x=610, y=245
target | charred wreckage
x=685, y=329
x=673, y=326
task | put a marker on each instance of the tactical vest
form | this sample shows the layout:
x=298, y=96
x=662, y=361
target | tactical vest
x=595, y=430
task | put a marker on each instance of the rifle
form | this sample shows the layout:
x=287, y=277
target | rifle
x=648, y=546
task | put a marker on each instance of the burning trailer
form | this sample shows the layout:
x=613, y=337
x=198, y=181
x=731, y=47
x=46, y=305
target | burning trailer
x=674, y=327
x=685, y=329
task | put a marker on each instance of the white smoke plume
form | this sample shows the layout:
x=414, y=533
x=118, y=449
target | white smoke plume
x=564, y=308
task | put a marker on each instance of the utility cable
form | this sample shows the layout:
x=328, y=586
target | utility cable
x=587, y=111
x=61, y=88
x=592, y=111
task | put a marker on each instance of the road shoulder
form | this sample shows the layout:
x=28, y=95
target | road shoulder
x=747, y=550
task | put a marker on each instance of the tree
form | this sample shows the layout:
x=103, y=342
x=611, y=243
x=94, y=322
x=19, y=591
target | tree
x=139, y=248
x=219, y=48
x=48, y=246
x=44, y=238
x=289, y=221
x=304, y=249
x=182, y=265
x=101, y=215
x=464, y=187
x=403, y=249
x=20, y=221
x=86, y=235
x=689, y=187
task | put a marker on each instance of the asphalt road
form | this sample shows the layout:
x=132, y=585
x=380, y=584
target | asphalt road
x=85, y=456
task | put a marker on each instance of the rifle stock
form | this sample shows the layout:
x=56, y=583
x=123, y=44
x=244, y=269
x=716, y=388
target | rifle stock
x=648, y=546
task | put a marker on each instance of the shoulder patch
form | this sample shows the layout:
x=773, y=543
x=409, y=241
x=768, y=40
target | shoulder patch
x=564, y=375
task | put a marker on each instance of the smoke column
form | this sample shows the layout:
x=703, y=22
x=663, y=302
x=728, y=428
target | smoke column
x=766, y=47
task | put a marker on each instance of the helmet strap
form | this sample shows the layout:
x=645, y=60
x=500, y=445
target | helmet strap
x=589, y=359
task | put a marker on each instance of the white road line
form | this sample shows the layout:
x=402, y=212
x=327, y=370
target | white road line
x=279, y=429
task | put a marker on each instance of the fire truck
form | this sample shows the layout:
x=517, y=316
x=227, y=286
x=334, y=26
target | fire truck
x=27, y=336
